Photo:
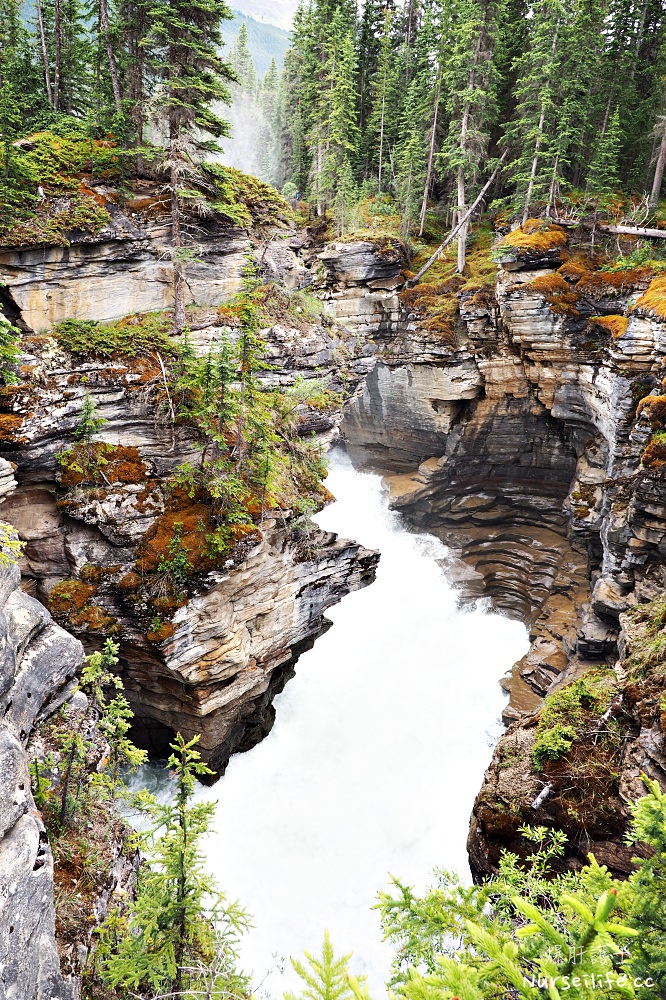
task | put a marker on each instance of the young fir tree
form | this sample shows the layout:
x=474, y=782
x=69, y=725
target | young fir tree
x=468, y=79
x=184, y=44
x=529, y=135
x=325, y=977
x=384, y=99
x=179, y=921
x=647, y=906
x=602, y=177
x=413, y=150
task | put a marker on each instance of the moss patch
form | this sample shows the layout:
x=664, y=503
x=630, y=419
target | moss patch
x=99, y=462
x=557, y=293
x=245, y=200
x=653, y=300
x=535, y=237
x=129, y=337
x=611, y=284
x=568, y=713
x=615, y=325
x=654, y=456
x=70, y=603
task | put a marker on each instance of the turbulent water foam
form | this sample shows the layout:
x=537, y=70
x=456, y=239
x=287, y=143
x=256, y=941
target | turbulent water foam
x=379, y=746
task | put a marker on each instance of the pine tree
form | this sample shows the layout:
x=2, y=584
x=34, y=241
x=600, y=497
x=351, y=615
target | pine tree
x=602, y=178
x=468, y=78
x=89, y=423
x=648, y=891
x=384, y=100
x=529, y=135
x=327, y=977
x=171, y=939
x=184, y=43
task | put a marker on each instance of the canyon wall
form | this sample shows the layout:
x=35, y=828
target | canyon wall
x=38, y=666
x=214, y=668
x=522, y=441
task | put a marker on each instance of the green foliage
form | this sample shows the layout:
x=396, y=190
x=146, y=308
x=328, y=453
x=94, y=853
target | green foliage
x=179, y=934
x=129, y=337
x=67, y=784
x=647, y=890
x=89, y=423
x=565, y=713
x=325, y=977
x=175, y=566
x=9, y=351
x=530, y=933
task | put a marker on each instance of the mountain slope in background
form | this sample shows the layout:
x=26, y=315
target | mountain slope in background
x=279, y=12
x=265, y=41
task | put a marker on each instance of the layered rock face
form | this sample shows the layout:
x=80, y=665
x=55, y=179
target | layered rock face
x=216, y=667
x=125, y=268
x=519, y=443
x=38, y=665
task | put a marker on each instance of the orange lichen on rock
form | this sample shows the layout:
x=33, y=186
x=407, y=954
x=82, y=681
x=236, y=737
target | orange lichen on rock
x=616, y=325
x=163, y=632
x=195, y=524
x=610, y=284
x=70, y=602
x=130, y=581
x=572, y=270
x=98, y=461
x=536, y=236
x=654, y=456
x=653, y=299
x=655, y=408
x=437, y=303
x=557, y=293
x=69, y=597
x=9, y=425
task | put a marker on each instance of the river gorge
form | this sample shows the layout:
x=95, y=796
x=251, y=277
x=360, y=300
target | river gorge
x=379, y=742
x=519, y=520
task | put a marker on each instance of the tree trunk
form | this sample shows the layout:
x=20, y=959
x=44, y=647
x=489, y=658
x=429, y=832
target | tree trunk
x=431, y=158
x=176, y=237
x=45, y=54
x=113, y=71
x=464, y=130
x=533, y=171
x=57, y=27
x=537, y=145
x=181, y=940
x=659, y=169
x=381, y=140
x=462, y=234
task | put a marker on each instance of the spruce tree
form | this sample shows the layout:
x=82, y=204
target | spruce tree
x=529, y=136
x=325, y=977
x=602, y=178
x=179, y=919
x=184, y=43
x=469, y=82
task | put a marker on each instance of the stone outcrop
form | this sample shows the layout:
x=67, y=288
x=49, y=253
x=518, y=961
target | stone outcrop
x=38, y=665
x=215, y=668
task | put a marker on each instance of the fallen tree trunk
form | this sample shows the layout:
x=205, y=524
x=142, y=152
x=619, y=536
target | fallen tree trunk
x=456, y=229
x=650, y=234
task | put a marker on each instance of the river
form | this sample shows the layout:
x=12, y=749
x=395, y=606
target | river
x=378, y=749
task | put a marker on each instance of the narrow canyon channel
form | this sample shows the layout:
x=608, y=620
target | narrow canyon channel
x=379, y=746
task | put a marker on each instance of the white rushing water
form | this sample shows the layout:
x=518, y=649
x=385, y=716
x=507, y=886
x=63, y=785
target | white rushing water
x=378, y=749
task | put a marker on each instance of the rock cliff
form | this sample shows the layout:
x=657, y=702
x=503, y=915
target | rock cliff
x=527, y=435
x=38, y=665
x=216, y=664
